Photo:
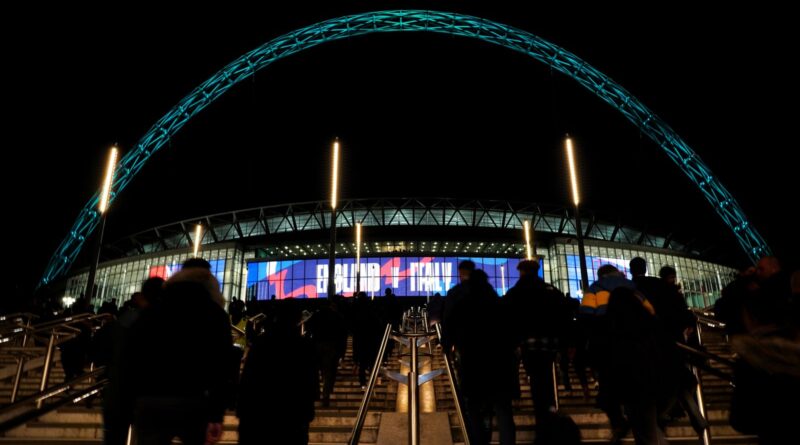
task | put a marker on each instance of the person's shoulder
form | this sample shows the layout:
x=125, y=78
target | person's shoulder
x=455, y=289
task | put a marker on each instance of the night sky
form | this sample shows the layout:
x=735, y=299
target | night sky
x=417, y=114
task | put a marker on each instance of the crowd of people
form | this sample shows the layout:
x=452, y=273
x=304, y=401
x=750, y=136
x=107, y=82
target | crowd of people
x=174, y=368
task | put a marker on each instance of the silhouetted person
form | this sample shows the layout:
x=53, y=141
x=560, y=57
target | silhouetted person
x=117, y=395
x=367, y=329
x=638, y=363
x=488, y=368
x=435, y=308
x=669, y=275
x=393, y=314
x=729, y=308
x=670, y=307
x=767, y=373
x=682, y=330
x=456, y=293
x=74, y=351
x=540, y=317
x=279, y=383
x=180, y=352
x=775, y=282
x=573, y=349
x=109, y=307
x=592, y=318
x=328, y=329
x=239, y=321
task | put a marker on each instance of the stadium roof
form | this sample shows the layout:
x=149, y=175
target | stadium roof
x=295, y=218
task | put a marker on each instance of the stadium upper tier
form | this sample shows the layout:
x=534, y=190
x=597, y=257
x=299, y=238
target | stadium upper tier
x=256, y=224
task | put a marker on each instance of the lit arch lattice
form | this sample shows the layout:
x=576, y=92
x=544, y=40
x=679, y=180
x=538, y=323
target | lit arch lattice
x=414, y=21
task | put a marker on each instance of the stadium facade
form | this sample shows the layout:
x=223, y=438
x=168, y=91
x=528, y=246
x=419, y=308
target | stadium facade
x=410, y=245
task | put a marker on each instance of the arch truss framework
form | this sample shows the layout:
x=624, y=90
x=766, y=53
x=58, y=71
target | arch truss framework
x=413, y=21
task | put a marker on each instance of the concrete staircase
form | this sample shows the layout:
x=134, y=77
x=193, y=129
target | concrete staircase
x=79, y=424
x=82, y=425
x=593, y=422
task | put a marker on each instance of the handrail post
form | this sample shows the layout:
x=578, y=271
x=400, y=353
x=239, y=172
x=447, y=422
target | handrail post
x=47, y=362
x=20, y=364
x=362, y=411
x=555, y=385
x=413, y=393
x=701, y=406
x=453, y=388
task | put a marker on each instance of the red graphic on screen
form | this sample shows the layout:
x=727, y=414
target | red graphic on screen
x=159, y=271
x=279, y=280
x=386, y=269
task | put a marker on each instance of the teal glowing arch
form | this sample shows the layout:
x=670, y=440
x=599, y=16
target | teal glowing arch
x=410, y=21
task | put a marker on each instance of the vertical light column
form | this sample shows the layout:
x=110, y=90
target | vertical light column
x=573, y=176
x=503, y=279
x=198, y=238
x=105, y=200
x=358, y=258
x=528, y=251
x=334, y=191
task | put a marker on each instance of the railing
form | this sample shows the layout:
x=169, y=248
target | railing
x=55, y=332
x=362, y=410
x=705, y=319
x=448, y=366
x=49, y=399
x=415, y=332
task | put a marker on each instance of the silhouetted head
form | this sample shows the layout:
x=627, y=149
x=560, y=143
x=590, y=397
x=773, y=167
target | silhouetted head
x=528, y=267
x=152, y=291
x=638, y=267
x=668, y=274
x=478, y=277
x=198, y=263
x=465, y=268
x=607, y=270
x=762, y=309
x=388, y=292
x=767, y=267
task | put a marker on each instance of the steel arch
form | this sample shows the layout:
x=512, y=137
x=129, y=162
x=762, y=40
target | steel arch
x=404, y=21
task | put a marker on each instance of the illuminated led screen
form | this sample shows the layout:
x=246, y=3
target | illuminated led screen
x=592, y=264
x=406, y=276
x=165, y=271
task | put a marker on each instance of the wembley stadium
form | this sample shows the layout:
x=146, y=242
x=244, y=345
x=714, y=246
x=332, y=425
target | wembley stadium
x=412, y=246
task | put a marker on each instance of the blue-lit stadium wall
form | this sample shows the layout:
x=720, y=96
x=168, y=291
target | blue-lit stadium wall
x=241, y=275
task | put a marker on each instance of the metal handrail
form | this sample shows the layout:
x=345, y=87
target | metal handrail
x=60, y=330
x=448, y=366
x=33, y=406
x=362, y=410
x=709, y=356
x=17, y=315
x=13, y=322
x=48, y=325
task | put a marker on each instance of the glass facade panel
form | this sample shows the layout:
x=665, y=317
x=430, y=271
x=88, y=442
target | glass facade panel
x=120, y=280
x=701, y=282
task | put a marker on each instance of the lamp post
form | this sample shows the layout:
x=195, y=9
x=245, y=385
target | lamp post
x=573, y=175
x=198, y=232
x=332, y=250
x=358, y=258
x=502, y=279
x=102, y=207
x=528, y=250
